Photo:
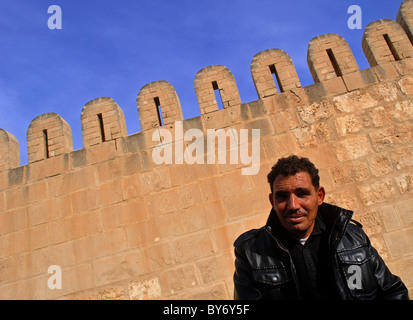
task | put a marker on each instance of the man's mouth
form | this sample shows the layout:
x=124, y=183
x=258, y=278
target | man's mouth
x=296, y=217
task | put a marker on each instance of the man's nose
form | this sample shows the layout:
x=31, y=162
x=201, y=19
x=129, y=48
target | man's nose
x=292, y=203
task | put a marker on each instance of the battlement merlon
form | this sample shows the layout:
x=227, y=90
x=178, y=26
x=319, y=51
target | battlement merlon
x=158, y=104
x=9, y=151
x=387, y=45
x=48, y=136
x=102, y=120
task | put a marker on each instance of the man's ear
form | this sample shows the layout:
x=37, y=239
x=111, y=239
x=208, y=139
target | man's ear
x=321, y=194
x=271, y=199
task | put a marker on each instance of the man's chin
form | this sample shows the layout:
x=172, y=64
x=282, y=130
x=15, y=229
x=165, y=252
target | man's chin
x=297, y=229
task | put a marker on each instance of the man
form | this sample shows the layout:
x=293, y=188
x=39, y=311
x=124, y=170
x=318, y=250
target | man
x=309, y=250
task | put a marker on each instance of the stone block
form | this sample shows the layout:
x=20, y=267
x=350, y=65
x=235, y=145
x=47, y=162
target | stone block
x=371, y=221
x=352, y=148
x=225, y=235
x=73, y=181
x=99, y=245
x=350, y=172
x=38, y=213
x=62, y=254
x=387, y=91
x=97, y=197
x=124, y=213
x=75, y=227
x=281, y=145
x=14, y=220
x=157, y=257
x=16, y=176
x=15, y=291
x=380, y=165
x=16, y=197
x=155, y=181
x=354, y=101
x=4, y=183
x=359, y=79
x=313, y=135
x=344, y=198
x=216, y=268
x=178, y=279
x=405, y=182
x=192, y=247
x=153, y=230
x=317, y=111
x=401, y=157
x=47, y=168
x=399, y=242
x=405, y=212
x=376, y=192
x=216, y=291
x=224, y=184
x=353, y=123
x=25, y=240
x=245, y=204
x=204, y=215
x=390, y=218
x=117, y=268
x=13, y=268
x=112, y=293
x=145, y=290
x=2, y=202
x=322, y=155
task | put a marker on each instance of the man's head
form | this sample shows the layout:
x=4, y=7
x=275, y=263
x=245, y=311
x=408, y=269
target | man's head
x=295, y=194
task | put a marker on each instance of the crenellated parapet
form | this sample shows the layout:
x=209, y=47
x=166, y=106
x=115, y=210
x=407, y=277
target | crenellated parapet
x=386, y=44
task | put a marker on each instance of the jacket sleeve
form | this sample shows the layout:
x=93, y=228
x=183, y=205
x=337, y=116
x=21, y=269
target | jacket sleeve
x=391, y=286
x=243, y=283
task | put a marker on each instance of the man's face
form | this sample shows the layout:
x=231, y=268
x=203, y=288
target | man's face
x=296, y=201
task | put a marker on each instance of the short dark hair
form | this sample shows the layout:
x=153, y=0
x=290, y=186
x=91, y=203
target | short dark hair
x=290, y=166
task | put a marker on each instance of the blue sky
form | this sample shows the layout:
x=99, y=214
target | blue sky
x=113, y=48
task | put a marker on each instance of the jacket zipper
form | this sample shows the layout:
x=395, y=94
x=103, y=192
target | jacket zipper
x=333, y=250
x=293, y=272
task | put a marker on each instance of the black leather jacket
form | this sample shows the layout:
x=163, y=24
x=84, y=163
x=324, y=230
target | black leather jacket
x=264, y=268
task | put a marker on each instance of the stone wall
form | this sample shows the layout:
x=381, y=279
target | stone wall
x=121, y=226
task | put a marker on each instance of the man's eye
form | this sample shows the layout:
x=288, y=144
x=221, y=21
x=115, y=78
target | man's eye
x=280, y=196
